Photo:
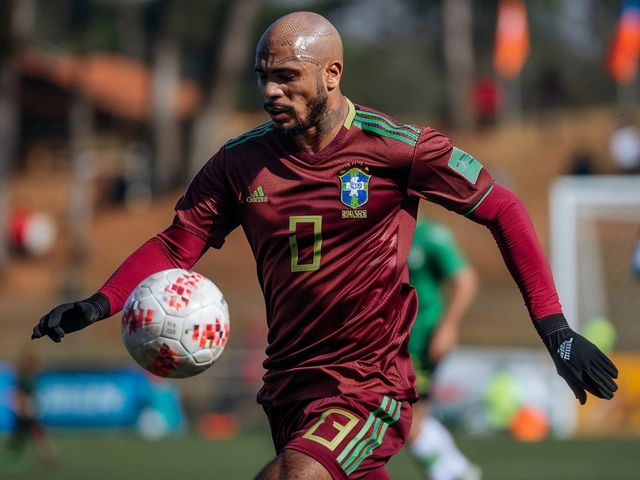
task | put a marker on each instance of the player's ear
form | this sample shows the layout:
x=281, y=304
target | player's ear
x=333, y=74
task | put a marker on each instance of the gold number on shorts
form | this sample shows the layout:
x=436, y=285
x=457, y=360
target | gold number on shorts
x=343, y=429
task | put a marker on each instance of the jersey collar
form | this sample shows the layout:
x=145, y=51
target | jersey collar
x=351, y=115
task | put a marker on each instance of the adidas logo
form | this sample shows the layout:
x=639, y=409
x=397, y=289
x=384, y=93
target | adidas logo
x=565, y=349
x=257, y=196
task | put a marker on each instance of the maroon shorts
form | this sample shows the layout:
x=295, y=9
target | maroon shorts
x=352, y=437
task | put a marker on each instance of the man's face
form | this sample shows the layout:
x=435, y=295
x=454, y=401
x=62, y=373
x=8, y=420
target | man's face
x=292, y=85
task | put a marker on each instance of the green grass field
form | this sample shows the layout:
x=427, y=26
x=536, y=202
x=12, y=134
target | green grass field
x=117, y=457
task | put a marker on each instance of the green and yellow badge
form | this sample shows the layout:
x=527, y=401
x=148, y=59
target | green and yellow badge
x=355, y=188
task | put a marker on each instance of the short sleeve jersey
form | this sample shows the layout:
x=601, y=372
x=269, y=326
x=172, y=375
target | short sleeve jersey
x=331, y=233
x=434, y=258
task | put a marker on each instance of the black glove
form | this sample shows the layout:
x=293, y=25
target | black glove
x=583, y=366
x=70, y=317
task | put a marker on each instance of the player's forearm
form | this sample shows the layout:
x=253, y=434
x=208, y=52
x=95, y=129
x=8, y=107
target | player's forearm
x=173, y=248
x=464, y=290
x=507, y=219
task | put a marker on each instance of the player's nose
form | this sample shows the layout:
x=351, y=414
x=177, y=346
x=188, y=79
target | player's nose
x=273, y=90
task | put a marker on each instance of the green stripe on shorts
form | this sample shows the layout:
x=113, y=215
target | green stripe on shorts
x=360, y=447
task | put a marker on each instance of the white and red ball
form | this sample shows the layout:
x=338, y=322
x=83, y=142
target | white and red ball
x=175, y=323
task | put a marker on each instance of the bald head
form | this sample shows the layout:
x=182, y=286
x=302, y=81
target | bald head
x=311, y=36
x=299, y=66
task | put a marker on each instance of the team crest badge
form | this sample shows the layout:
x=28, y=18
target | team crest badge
x=354, y=188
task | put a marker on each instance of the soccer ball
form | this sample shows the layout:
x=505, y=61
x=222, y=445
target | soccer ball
x=175, y=323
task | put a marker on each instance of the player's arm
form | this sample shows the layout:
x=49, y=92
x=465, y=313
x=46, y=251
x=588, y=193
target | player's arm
x=463, y=287
x=584, y=367
x=173, y=248
x=450, y=177
x=460, y=281
x=204, y=217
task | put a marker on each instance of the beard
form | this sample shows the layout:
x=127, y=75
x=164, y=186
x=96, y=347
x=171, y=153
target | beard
x=316, y=108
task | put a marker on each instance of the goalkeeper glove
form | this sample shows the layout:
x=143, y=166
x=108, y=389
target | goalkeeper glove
x=70, y=317
x=583, y=366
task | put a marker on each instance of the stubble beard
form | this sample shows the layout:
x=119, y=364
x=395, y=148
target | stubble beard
x=316, y=108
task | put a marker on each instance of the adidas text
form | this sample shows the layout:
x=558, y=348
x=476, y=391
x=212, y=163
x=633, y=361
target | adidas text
x=257, y=196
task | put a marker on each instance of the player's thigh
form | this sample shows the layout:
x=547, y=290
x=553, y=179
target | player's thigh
x=421, y=410
x=294, y=465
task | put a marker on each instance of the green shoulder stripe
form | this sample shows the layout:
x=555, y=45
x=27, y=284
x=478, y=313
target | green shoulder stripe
x=400, y=130
x=260, y=131
x=389, y=122
x=385, y=133
x=382, y=125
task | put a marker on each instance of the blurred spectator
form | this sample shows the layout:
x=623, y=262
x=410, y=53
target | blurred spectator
x=27, y=426
x=581, y=162
x=551, y=92
x=132, y=187
x=487, y=97
x=624, y=147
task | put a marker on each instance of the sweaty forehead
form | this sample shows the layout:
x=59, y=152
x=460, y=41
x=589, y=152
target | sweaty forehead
x=306, y=37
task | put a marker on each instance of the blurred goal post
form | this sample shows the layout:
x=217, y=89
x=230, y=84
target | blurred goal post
x=594, y=222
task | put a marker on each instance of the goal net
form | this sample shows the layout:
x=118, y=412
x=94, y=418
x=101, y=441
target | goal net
x=595, y=221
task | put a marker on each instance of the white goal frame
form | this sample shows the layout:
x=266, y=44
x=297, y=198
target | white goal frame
x=573, y=198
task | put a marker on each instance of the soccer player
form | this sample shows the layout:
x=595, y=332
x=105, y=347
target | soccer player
x=27, y=426
x=436, y=263
x=327, y=194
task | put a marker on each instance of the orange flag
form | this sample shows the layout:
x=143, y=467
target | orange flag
x=625, y=49
x=512, y=38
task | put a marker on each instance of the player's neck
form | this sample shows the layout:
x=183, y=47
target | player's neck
x=316, y=138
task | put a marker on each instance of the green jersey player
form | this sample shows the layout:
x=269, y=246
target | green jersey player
x=436, y=263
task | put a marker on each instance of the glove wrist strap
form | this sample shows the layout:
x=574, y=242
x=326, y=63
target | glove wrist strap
x=101, y=301
x=548, y=325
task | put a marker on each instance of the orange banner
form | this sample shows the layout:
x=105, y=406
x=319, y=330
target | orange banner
x=622, y=62
x=512, y=38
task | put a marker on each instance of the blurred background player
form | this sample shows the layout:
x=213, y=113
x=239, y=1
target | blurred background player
x=436, y=263
x=635, y=259
x=27, y=426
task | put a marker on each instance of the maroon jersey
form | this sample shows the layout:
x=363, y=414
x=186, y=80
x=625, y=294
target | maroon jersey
x=331, y=233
